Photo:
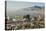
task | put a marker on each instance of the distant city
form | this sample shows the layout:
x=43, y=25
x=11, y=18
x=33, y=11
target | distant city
x=24, y=15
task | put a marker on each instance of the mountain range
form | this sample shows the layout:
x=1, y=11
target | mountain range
x=33, y=11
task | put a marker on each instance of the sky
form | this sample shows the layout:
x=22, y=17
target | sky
x=16, y=5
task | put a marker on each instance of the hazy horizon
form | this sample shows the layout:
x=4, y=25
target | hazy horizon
x=14, y=6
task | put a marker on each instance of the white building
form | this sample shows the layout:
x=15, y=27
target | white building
x=32, y=19
x=14, y=19
x=8, y=17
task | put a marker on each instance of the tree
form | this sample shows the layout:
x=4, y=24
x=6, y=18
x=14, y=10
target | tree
x=28, y=17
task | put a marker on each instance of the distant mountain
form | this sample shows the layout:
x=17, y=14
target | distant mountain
x=38, y=6
x=33, y=11
x=33, y=8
